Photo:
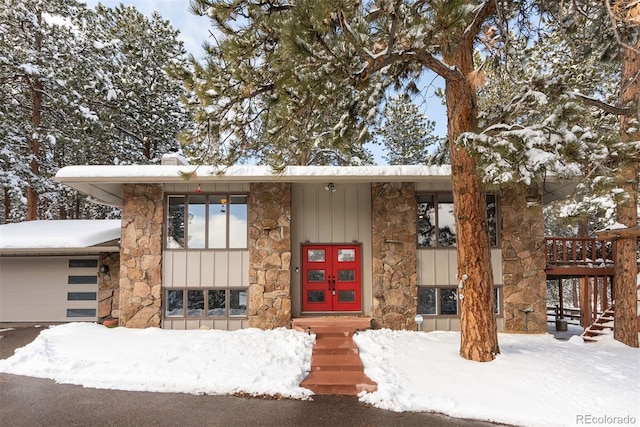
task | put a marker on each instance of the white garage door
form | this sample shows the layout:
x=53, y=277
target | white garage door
x=48, y=289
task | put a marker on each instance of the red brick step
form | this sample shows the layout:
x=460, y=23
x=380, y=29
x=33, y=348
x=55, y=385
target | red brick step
x=336, y=367
x=336, y=362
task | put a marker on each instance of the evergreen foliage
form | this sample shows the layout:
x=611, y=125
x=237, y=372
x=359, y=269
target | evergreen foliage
x=406, y=133
x=80, y=87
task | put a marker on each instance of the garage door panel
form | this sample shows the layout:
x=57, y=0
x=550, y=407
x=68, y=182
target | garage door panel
x=36, y=289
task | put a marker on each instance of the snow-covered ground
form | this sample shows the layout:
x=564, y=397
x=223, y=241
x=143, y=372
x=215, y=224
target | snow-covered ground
x=537, y=380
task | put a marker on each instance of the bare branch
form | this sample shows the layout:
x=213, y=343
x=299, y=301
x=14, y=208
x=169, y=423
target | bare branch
x=607, y=108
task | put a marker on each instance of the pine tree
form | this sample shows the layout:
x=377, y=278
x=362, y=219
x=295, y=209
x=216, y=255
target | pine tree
x=610, y=30
x=140, y=106
x=81, y=88
x=346, y=55
x=406, y=133
x=40, y=42
x=259, y=95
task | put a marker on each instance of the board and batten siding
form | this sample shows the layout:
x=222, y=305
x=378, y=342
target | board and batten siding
x=36, y=289
x=439, y=267
x=211, y=269
x=319, y=215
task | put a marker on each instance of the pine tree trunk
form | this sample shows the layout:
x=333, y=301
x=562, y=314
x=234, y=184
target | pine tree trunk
x=33, y=198
x=7, y=206
x=626, y=270
x=34, y=146
x=479, y=337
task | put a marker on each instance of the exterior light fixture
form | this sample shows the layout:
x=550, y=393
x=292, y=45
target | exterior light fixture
x=330, y=187
x=419, y=319
x=104, y=269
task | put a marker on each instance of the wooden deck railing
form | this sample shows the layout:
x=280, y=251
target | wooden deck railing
x=579, y=252
x=572, y=315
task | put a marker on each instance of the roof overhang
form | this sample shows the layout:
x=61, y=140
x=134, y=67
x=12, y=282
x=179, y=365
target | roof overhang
x=104, y=183
x=94, y=250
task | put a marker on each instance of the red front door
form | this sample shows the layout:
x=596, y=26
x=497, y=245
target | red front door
x=331, y=278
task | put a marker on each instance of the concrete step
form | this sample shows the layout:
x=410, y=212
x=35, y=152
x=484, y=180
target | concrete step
x=335, y=331
x=336, y=367
x=336, y=362
x=333, y=382
x=350, y=323
x=335, y=346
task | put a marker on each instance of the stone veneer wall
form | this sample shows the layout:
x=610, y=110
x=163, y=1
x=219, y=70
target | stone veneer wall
x=395, y=290
x=269, y=303
x=141, y=256
x=523, y=259
x=109, y=286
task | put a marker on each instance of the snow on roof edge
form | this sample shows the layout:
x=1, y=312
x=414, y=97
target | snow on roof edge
x=58, y=234
x=120, y=173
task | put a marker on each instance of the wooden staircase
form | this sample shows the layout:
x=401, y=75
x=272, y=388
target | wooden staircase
x=603, y=325
x=336, y=367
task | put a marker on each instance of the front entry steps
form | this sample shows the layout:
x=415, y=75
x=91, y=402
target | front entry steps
x=336, y=367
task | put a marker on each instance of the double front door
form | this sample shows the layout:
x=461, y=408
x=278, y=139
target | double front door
x=331, y=278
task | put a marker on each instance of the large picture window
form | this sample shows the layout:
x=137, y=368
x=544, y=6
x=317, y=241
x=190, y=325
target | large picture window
x=443, y=301
x=205, y=303
x=436, y=223
x=206, y=221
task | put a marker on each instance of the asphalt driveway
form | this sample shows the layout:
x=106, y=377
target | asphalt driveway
x=26, y=401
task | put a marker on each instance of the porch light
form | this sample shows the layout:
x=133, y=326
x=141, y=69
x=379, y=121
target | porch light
x=419, y=319
x=104, y=269
x=330, y=187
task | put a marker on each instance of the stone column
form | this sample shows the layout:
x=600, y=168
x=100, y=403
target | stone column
x=394, y=222
x=269, y=255
x=141, y=256
x=523, y=260
x=109, y=286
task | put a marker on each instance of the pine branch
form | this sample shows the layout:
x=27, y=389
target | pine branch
x=484, y=11
x=605, y=107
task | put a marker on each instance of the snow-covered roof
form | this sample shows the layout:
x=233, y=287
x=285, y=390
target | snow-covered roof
x=175, y=173
x=104, y=183
x=59, y=236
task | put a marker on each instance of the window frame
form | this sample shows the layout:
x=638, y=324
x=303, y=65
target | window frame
x=205, y=316
x=435, y=195
x=209, y=198
x=438, y=301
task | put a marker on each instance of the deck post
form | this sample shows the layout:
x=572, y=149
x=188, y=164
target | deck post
x=560, y=290
x=585, y=307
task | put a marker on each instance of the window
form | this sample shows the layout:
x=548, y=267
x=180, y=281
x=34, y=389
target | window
x=82, y=296
x=83, y=263
x=205, y=303
x=81, y=312
x=206, y=221
x=82, y=280
x=436, y=223
x=443, y=301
